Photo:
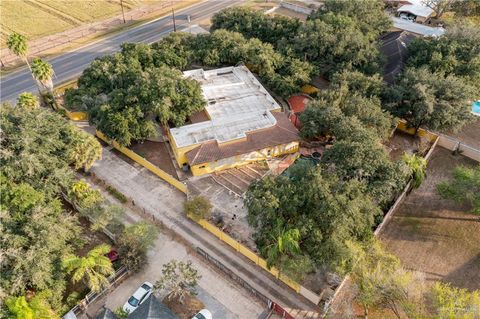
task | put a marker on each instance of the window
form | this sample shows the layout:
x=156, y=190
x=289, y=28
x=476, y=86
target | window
x=203, y=166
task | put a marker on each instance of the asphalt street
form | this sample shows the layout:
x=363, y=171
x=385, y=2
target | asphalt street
x=70, y=65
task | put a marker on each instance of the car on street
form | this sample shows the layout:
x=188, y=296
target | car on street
x=203, y=314
x=138, y=297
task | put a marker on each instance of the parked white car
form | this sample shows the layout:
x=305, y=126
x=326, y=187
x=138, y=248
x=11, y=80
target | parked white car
x=203, y=314
x=138, y=297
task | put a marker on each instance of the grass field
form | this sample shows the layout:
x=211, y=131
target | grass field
x=38, y=18
x=436, y=236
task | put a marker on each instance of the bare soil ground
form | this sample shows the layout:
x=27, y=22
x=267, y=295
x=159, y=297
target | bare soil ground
x=437, y=236
x=469, y=135
x=401, y=143
x=157, y=154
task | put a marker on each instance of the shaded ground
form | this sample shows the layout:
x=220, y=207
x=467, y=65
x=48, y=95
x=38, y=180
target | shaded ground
x=436, y=236
x=401, y=143
x=157, y=154
x=469, y=135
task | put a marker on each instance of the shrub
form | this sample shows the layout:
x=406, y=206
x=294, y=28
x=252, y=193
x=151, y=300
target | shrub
x=115, y=193
x=198, y=208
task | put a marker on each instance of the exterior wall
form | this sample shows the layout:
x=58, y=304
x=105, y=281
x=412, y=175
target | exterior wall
x=179, y=153
x=239, y=160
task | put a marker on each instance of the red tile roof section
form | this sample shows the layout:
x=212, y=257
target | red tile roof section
x=282, y=133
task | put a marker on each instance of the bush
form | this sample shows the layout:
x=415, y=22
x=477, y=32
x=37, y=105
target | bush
x=198, y=208
x=134, y=242
x=115, y=193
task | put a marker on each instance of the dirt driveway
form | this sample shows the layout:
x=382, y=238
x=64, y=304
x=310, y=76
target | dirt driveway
x=436, y=236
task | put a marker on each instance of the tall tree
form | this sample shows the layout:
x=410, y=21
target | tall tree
x=43, y=72
x=418, y=166
x=27, y=100
x=382, y=282
x=134, y=243
x=93, y=269
x=326, y=211
x=427, y=99
x=456, y=53
x=84, y=149
x=370, y=16
x=37, y=307
x=452, y=302
x=17, y=43
x=178, y=279
x=285, y=242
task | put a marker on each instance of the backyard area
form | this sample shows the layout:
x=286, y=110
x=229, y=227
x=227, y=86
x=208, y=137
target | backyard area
x=402, y=142
x=436, y=236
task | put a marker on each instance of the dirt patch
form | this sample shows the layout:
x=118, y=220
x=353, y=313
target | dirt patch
x=437, y=236
x=185, y=310
x=402, y=142
x=157, y=154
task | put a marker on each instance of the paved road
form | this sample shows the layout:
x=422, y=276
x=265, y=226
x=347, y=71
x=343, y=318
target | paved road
x=70, y=65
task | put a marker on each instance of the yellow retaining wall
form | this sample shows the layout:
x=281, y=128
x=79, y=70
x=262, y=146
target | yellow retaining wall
x=402, y=126
x=248, y=253
x=142, y=161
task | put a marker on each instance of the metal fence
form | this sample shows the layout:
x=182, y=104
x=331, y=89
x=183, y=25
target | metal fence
x=113, y=281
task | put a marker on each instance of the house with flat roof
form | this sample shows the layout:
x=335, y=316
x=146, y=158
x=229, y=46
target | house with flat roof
x=417, y=28
x=243, y=124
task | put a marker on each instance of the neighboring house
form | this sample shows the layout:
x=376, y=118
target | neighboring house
x=420, y=29
x=149, y=309
x=415, y=12
x=297, y=105
x=394, y=48
x=242, y=123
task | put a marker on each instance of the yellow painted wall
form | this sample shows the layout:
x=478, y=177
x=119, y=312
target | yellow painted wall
x=402, y=126
x=248, y=253
x=244, y=159
x=142, y=161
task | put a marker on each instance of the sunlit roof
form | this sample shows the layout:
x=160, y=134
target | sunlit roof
x=236, y=104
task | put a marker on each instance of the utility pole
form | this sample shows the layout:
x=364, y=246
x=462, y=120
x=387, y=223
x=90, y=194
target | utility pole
x=123, y=12
x=174, y=25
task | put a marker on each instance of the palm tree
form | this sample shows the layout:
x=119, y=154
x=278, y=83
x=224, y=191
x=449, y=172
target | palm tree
x=42, y=72
x=418, y=166
x=17, y=43
x=285, y=242
x=27, y=100
x=84, y=149
x=94, y=268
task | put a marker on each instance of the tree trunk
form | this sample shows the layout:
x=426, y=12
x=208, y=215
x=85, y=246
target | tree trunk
x=365, y=311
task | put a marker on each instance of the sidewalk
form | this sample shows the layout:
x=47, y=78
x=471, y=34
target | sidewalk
x=165, y=203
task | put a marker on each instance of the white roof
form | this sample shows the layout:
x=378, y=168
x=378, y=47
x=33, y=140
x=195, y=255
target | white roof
x=417, y=28
x=416, y=9
x=236, y=103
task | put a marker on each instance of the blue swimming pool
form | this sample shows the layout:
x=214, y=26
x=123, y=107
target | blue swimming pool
x=476, y=108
